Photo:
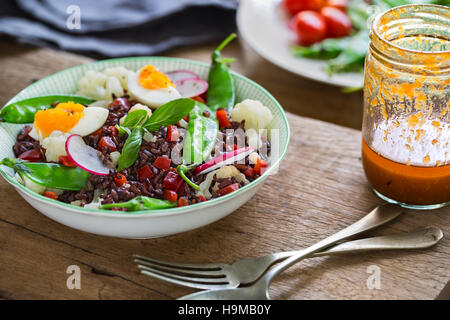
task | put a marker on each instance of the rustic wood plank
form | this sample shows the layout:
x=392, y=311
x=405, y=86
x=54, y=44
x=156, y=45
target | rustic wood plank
x=320, y=188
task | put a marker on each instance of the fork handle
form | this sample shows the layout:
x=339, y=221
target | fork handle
x=377, y=217
x=417, y=239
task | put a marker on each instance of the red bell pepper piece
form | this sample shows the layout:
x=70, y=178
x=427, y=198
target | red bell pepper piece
x=202, y=198
x=260, y=164
x=170, y=195
x=145, y=173
x=162, y=162
x=120, y=179
x=33, y=155
x=182, y=202
x=228, y=189
x=222, y=117
x=172, y=133
x=51, y=195
x=106, y=142
x=250, y=172
x=66, y=161
x=172, y=181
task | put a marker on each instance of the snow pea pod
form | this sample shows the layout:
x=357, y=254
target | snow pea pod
x=50, y=175
x=23, y=111
x=141, y=203
x=221, y=92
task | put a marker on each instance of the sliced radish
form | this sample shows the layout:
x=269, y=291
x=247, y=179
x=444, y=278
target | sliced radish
x=84, y=156
x=178, y=75
x=223, y=160
x=189, y=88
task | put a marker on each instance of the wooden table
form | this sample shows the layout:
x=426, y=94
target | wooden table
x=320, y=189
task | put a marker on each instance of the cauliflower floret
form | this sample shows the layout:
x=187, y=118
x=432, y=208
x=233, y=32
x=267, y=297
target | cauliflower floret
x=93, y=85
x=138, y=106
x=119, y=73
x=256, y=115
x=101, y=85
x=114, y=157
x=55, y=145
x=113, y=87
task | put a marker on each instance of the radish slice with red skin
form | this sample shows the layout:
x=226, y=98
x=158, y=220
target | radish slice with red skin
x=223, y=160
x=178, y=75
x=189, y=88
x=84, y=156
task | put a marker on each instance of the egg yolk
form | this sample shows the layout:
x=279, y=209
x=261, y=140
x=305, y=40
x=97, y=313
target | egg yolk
x=151, y=78
x=62, y=118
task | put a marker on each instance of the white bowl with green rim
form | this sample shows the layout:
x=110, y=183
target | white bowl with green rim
x=149, y=223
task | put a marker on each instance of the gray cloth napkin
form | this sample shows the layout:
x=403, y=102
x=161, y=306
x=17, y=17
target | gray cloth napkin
x=116, y=28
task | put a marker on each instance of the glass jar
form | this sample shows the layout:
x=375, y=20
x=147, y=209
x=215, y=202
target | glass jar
x=406, y=130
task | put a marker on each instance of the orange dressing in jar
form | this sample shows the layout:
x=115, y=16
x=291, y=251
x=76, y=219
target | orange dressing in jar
x=406, y=127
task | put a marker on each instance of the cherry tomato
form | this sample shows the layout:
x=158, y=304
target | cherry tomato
x=310, y=27
x=66, y=161
x=172, y=133
x=51, y=195
x=337, y=21
x=259, y=166
x=222, y=117
x=120, y=179
x=199, y=99
x=340, y=4
x=228, y=189
x=170, y=195
x=182, y=202
x=295, y=6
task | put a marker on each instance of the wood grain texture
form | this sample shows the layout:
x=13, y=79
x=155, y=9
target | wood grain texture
x=320, y=188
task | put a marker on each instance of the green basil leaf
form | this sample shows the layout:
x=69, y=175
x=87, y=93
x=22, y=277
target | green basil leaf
x=141, y=203
x=123, y=130
x=134, y=118
x=169, y=113
x=130, y=150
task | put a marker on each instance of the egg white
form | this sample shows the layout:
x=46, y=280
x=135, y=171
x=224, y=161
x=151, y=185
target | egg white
x=93, y=119
x=153, y=98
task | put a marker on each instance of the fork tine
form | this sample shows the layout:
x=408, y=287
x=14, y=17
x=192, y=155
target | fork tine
x=186, y=278
x=181, y=271
x=179, y=282
x=199, y=267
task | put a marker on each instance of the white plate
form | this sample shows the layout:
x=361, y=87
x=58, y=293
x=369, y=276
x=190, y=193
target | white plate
x=263, y=25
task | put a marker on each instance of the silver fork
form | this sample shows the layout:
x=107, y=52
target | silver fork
x=245, y=271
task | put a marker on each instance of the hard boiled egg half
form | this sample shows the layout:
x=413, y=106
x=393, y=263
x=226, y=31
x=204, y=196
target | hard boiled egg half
x=152, y=87
x=68, y=117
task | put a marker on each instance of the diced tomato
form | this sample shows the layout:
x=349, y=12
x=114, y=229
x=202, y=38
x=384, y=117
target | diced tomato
x=66, y=161
x=310, y=27
x=51, y=195
x=222, y=117
x=228, y=189
x=145, y=173
x=186, y=118
x=172, y=133
x=340, y=4
x=162, y=162
x=114, y=130
x=260, y=164
x=170, y=195
x=33, y=155
x=235, y=147
x=199, y=99
x=338, y=23
x=250, y=172
x=172, y=181
x=120, y=179
x=106, y=142
x=182, y=202
x=202, y=198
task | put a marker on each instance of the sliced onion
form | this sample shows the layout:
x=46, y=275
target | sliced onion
x=189, y=88
x=223, y=160
x=178, y=75
x=84, y=156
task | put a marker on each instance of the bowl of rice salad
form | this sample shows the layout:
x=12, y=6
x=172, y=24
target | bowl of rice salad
x=141, y=147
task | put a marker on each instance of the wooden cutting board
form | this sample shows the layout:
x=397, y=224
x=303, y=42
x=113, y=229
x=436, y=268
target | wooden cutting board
x=319, y=189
